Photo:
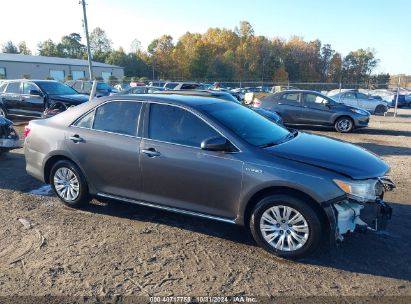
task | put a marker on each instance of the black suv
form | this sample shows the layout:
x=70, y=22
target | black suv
x=32, y=98
x=302, y=107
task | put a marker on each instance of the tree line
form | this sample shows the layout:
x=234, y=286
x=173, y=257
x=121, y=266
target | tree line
x=221, y=54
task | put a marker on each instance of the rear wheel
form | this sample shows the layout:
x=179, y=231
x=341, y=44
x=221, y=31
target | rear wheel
x=69, y=184
x=379, y=110
x=286, y=226
x=344, y=124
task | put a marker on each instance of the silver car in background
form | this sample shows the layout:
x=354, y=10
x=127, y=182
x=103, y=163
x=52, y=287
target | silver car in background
x=360, y=100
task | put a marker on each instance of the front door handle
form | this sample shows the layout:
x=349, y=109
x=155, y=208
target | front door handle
x=151, y=152
x=76, y=138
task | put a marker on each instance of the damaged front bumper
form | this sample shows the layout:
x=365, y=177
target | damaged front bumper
x=347, y=215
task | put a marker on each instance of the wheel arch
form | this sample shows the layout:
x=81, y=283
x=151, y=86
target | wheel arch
x=341, y=116
x=256, y=197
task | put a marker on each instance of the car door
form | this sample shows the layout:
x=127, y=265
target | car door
x=11, y=99
x=178, y=173
x=349, y=98
x=315, y=109
x=365, y=102
x=32, y=104
x=290, y=108
x=105, y=144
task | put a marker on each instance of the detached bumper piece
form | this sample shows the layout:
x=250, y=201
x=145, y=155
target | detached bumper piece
x=352, y=216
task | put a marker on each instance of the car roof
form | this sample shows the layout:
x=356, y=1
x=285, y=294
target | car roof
x=298, y=91
x=178, y=99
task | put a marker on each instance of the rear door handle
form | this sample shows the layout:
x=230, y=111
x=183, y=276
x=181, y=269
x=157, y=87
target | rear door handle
x=151, y=152
x=76, y=138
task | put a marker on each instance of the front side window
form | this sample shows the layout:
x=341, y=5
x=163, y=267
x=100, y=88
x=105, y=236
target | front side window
x=13, y=88
x=349, y=96
x=28, y=86
x=118, y=117
x=176, y=125
x=315, y=99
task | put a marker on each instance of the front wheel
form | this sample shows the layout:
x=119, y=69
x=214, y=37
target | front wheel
x=344, y=125
x=69, y=184
x=286, y=226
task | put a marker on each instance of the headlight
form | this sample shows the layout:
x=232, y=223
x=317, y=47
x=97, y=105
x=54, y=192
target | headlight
x=359, y=111
x=359, y=190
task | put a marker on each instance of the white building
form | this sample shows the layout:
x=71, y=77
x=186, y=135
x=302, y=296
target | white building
x=16, y=66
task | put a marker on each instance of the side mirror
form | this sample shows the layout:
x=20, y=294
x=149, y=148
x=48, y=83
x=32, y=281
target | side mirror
x=35, y=92
x=217, y=143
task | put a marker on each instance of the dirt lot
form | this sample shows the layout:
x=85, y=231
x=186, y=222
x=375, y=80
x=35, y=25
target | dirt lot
x=120, y=249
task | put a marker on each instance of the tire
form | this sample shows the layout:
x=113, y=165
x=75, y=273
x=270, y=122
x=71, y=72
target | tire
x=344, y=124
x=60, y=174
x=309, y=233
x=379, y=110
x=3, y=112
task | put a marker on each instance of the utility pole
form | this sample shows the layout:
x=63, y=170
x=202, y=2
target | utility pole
x=90, y=66
x=396, y=98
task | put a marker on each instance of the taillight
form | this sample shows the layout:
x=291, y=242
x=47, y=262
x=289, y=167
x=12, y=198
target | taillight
x=26, y=131
x=256, y=103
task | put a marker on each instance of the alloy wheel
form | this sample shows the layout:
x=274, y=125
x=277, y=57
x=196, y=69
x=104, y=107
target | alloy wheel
x=66, y=184
x=344, y=125
x=284, y=228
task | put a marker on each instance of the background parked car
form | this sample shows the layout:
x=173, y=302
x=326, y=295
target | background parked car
x=403, y=101
x=8, y=136
x=85, y=86
x=30, y=98
x=360, y=100
x=227, y=95
x=300, y=107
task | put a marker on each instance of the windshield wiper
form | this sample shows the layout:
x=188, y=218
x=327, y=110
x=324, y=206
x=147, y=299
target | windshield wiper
x=270, y=144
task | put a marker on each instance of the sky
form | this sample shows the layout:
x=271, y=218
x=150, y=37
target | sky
x=347, y=25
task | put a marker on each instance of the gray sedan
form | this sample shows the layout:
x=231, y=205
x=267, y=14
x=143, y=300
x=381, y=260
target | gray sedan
x=213, y=159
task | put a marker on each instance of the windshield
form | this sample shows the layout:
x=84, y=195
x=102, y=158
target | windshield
x=56, y=88
x=103, y=86
x=247, y=124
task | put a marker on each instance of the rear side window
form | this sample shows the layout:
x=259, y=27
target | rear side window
x=13, y=87
x=117, y=117
x=86, y=121
x=294, y=97
x=175, y=125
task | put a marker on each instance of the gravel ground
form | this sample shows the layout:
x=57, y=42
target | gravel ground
x=113, y=248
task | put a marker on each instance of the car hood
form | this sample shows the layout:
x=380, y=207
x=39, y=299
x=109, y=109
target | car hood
x=331, y=154
x=73, y=99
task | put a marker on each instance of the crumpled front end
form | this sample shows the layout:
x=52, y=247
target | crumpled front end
x=361, y=210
